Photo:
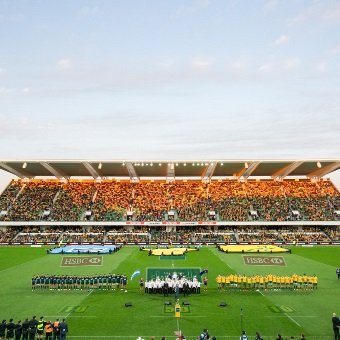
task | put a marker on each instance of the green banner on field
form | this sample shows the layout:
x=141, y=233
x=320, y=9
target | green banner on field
x=189, y=273
x=179, y=257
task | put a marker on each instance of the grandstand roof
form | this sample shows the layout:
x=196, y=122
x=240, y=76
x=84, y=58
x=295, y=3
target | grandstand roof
x=170, y=169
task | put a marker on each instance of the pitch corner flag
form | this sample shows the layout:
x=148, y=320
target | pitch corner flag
x=204, y=271
x=136, y=273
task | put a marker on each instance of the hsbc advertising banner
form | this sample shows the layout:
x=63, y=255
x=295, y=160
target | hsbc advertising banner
x=264, y=260
x=74, y=261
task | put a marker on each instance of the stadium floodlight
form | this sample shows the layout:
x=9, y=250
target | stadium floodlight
x=24, y=165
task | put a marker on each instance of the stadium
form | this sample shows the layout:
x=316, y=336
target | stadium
x=169, y=170
x=223, y=225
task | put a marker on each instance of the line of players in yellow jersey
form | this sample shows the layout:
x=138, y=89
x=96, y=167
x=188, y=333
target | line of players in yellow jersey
x=268, y=282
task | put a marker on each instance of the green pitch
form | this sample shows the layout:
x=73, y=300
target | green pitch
x=103, y=315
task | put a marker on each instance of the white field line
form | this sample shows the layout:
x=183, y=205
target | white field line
x=292, y=319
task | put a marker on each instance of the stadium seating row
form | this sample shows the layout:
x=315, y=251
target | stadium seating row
x=232, y=200
x=161, y=235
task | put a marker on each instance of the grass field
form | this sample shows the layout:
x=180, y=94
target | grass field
x=103, y=315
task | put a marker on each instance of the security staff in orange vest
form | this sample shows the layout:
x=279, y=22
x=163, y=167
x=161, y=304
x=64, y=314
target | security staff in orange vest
x=48, y=330
x=56, y=329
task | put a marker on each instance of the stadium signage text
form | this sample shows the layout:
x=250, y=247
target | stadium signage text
x=71, y=261
x=264, y=261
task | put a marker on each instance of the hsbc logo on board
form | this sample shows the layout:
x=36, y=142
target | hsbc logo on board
x=71, y=261
x=264, y=260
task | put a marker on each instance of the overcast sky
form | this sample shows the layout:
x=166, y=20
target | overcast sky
x=179, y=79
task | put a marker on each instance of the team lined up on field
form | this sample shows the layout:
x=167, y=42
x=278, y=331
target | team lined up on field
x=270, y=281
x=74, y=282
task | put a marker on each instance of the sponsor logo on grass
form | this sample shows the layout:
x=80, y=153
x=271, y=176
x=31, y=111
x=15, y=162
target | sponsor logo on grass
x=71, y=261
x=280, y=309
x=171, y=309
x=74, y=309
x=264, y=260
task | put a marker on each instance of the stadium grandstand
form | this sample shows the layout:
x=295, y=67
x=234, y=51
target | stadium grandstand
x=168, y=202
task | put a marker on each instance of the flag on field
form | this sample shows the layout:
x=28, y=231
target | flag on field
x=204, y=271
x=136, y=273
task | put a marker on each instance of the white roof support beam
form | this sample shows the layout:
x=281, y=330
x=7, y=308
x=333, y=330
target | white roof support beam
x=209, y=171
x=170, y=173
x=22, y=173
x=246, y=172
x=132, y=172
x=281, y=174
x=54, y=171
x=323, y=171
x=94, y=173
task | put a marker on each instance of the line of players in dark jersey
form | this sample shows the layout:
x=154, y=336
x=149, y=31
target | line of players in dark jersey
x=75, y=282
x=31, y=329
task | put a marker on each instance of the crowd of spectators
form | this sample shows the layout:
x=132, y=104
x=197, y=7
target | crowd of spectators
x=121, y=235
x=74, y=199
x=8, y=196
x=309, y=199
x=259, y=234
x=333, y=233
x=309, y=234
x=182, y=234
x=8, y=234
x=35, y=197
x=268, y=199
x=230, y=200
x=112, y=201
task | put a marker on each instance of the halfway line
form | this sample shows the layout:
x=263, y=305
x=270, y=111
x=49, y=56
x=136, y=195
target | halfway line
x=292, y=319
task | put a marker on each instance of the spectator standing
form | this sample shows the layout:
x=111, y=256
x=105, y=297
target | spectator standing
x=56, y=329
x=10, y=329
x=336, y=325
x=186, y=288
x=205, y=284
x=40, y=328
x=243, y=336
x=2, y=329
x=18, y=330
x=63, y=330
x=203, y=335
x=48, y=330
x=176, y=292
x=25, y=327
x=32, y=328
